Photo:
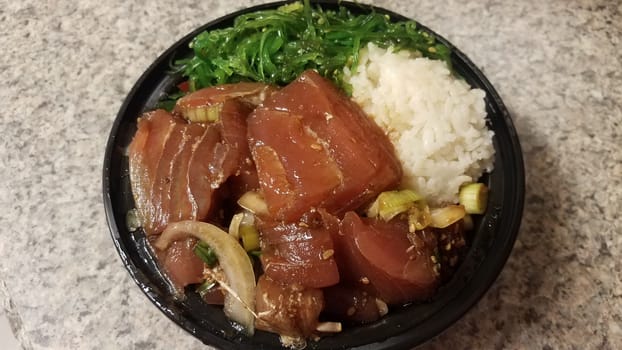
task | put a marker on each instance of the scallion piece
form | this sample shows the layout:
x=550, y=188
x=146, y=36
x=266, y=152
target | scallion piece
x=206, y=287
x=236, y=264
x=206, y=253
x=391, y=203
x=250, y=237
x=474, y=198
x=418, y=217
x=204, y=114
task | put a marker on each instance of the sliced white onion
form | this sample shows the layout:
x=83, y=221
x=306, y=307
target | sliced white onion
x=235, y=263
x=383, y=308
x=234, y=226
x=240, y=219
x=445, y=216
x=253, y=202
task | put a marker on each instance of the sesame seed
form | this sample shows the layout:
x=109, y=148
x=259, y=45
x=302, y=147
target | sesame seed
x=383, y=308
x=327, y=254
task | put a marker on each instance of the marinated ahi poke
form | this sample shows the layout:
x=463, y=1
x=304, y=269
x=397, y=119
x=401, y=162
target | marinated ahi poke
x=314, y=170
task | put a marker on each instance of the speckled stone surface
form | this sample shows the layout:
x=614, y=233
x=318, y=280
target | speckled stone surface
x=66, y=67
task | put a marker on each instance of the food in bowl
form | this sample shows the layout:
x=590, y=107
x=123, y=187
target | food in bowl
x=288, y=204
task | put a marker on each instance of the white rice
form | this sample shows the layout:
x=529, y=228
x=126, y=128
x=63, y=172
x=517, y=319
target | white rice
x=435, y=120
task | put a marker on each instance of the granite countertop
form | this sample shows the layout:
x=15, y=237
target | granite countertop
x=67, y=65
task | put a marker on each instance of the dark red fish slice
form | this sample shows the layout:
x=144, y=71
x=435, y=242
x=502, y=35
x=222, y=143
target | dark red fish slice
x=378, y=255
x=145, y=152
x=205, y=168
x=176, y=167
x=248, y=93
x=180, y=204
x=290, y=310
x=364, y=153
x=282, y=145
x=234, y=132
x=301, y=252
x=324, y=150
x=181, y=265
x=161, y=190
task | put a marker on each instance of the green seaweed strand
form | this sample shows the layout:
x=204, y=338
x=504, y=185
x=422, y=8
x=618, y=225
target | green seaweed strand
x=275, y=46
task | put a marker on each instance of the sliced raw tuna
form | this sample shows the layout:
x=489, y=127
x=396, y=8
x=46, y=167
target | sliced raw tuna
x=180, y=201
x=145, y=152
x=313, y=147
x=289, y=310
x=296, y=172
x=378, y=256
x=234, y=131
x=181, y=265
x=161, y=190
x=178, y=168
x=251, y=94
x=300, y=253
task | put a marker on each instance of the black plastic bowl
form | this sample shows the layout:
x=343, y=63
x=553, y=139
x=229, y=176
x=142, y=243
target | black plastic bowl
x=403, y=327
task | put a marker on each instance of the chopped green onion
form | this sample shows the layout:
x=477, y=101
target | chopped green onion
x=250, y=237
x=255, y=253
x=391, y=203
x=204, y=114
x=206, y=253
x=206, y=286
x=235, y=262
x=418, y=217
x=474, y=198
